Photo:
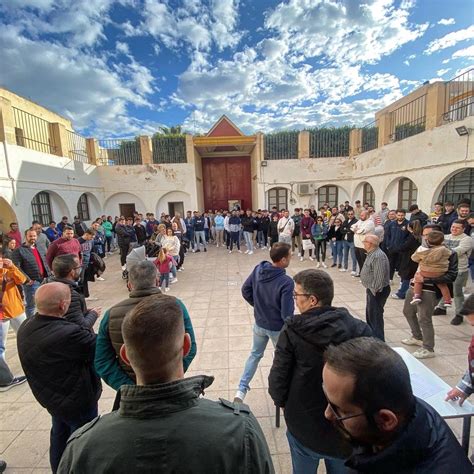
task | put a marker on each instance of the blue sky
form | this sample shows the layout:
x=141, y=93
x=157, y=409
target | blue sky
x=127, y=67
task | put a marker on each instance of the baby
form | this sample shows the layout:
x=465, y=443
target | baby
x=433, y=262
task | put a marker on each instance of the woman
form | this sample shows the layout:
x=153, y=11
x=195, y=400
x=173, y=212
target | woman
x=336, y=236
x=408, y=267
x=305, y=228
x=319, y=231
x=159, y=234
x=172, y=244
x=180, y=235
x=9, y=245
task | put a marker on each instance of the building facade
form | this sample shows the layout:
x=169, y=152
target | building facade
x=416, y=150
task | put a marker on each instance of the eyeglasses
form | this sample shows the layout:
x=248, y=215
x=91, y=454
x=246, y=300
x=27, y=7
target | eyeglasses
x=335, y=412
x=295, y=295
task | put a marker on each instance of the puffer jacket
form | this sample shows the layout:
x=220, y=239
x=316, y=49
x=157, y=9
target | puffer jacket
x=57, y=357
x=295, y=380
x=12, y=302
x=24, y=259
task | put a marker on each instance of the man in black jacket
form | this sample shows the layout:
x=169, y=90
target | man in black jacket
x=67, y=269
x=57, y=357
x=295, y=381
x=370, y=399
x=418, y=215
x=32, y=262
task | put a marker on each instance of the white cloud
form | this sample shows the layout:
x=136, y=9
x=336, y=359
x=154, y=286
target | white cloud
x=447, y=21
x=449, y=40
x=442, y=72
x=464, y=53
x=122, y=47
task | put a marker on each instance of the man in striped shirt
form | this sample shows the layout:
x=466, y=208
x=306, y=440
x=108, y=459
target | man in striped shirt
x=375, y=276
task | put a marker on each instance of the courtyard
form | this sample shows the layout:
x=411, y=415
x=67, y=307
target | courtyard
x=210, y=288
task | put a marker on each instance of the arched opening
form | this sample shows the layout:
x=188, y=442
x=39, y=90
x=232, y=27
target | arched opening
x=7, y=215
x=173, y=203
x=277, y=197
x=407, y=193
x=124, y=204
x=368, y=194
x=459, y=186
x=83, y=208
x=328, y=194
x=47, y=206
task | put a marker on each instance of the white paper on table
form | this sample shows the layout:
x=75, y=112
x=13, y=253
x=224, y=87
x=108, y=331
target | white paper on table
x=423, y=388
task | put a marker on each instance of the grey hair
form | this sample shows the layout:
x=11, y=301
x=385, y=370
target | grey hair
x=143, y=275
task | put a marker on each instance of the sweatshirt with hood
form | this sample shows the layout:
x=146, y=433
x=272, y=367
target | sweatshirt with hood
x=295, y=380
x=270, y=291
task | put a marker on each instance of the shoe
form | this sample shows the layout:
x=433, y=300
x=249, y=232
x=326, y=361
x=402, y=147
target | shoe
x=324, y=265
x=100, y=279
x=439, y=312
x=239, y=396
x=167, y=289
x=197, y=250
x=353, y=274
x=447, y=304
x=423, y=354
x=205, y=249
x=230, y=251
x=180, y=269
x=457, y=320
x=301, y=259
x=311, y=258
x=339, y=266
x=318, y=265
x=343, y=270
x=240, y=251
x=391, y=282
x=217, y=245
x=415, y=300
x=124, y=267
x=16, y=381
x=334, y=265
x=3, y=466
x=251, y=252
x=411, y=341
x=396, y=297
x=174, y=280
x=91, y=298
x=247, y=251
x=193, y=251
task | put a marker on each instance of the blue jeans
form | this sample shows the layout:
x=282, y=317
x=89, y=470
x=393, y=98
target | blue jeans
x=62, y=429
x=402, y=291
x=337, y=252
x=248, y=240
x=164, y=278
x=30, y=291
x=200, y=236
x=349, y=247
x=190, y=237
x=260, y=340
x=306, y=461
x=261, y=238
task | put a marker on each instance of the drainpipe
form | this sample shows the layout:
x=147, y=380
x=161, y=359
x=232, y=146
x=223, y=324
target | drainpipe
x=10, y=178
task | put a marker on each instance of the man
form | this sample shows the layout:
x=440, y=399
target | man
x=142, y=281
x=370, y=400
x=67, y=270
x=361, y=228
x=417, y=215
x=124, y=239
x=57, y=357
x=394, y=239
x=286, y=226
x=164, y=425
x=384, y=210
x=140, y=231
x=296, y=236
x=199, y=234
x=374, y=276
x=32, y=262
x=348, y=242
x=189, y=222
x=295, y=381
x=63, y=224
x=42, y=241
x=270, y=292
x=248, y=223
x=65, y=245
x=79, y=227
x=52, y=232
x=14, y=234
x=419, y=317
x=463, y=212
x=446, y=219
x=462, y=245
x=436, y=213
x=150, y=224
x=391, y=216
x=357, y=209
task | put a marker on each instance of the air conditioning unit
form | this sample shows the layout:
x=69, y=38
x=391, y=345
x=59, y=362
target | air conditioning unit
x=306, y=188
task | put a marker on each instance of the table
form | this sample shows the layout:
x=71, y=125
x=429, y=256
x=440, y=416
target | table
x=432, y=389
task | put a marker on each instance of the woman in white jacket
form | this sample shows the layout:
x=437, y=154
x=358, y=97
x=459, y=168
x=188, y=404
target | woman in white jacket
x=172, y=244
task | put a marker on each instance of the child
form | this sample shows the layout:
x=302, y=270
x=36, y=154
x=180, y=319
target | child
x=164, y=263
x=433, y=262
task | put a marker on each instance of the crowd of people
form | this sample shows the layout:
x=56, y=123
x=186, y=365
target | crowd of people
x=326, y=361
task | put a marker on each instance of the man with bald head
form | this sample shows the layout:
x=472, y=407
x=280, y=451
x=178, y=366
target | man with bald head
x=57, y=357
x=375, y=276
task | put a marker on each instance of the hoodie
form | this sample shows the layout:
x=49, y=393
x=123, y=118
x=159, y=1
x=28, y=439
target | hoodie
x=295, y=380
x=270, y=291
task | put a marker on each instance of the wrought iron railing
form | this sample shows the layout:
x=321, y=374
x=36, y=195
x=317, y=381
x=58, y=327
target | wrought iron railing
x=281, y=146
x=409, y=119
x=169, y=149
x=329, y=142
x=33, y=132
x=76, y=147
x=459, y=102
x=117, y=152
x=369, y=137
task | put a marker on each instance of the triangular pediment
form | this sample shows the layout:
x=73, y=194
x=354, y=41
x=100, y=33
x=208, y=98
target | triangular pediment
x=224, y=127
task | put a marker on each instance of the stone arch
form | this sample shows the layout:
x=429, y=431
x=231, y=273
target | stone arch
x=278, y=196
x=165, y=203
x=57, y=205
x=362, y=193
x=7, y=215
x=111, y=205
x=395, y=197
x=341, y=195
x=455, y=186
x=95, y=209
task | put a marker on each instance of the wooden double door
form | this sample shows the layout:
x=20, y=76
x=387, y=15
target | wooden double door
x=226, y=179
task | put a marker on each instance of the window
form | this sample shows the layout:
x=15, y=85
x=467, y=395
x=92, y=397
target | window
x=460, y=186
x=41, y=207
x=83, y=208
x=327, y=194
x=278, y=197
x=368, y=195
x=407, y=193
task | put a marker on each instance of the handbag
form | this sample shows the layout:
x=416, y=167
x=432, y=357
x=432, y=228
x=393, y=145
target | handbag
x=307, y=244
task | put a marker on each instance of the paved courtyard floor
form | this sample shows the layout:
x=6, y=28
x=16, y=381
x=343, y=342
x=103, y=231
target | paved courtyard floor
x=210, y=288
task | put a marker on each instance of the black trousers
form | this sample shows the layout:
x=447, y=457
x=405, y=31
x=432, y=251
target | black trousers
x=123, y=253
x=361, y=255
x=394, y=261
x=374, y=311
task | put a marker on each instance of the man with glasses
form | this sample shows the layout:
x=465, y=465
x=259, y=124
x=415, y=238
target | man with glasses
x=371, y=402
x=295, y=381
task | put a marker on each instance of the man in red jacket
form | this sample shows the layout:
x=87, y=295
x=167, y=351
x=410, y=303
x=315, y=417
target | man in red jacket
x=66, y=244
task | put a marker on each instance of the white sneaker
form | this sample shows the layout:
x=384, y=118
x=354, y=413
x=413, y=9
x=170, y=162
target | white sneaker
x=240, y=251
x=167, y=289
x=247, y=251
x=301, y=259
x=174, y=280
x=217, y=245
x=411, y=341
x=311, y=258
x=239, y=396
x=353, y=274
x=251, y=252
x=124, y=267
x=91, y=298
x=343, y=269
x=264, y=248
x=194, y=251
x=100, y=279
x=318, y=265
x=230, y=251
x=423, y=354
x=324, y=265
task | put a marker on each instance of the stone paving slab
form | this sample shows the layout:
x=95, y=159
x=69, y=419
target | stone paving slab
x=210, y=288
